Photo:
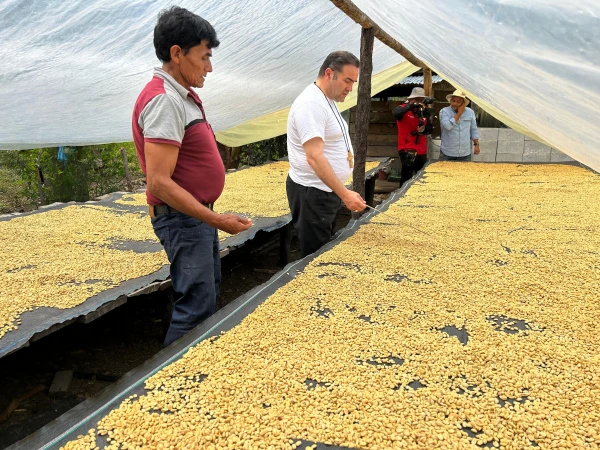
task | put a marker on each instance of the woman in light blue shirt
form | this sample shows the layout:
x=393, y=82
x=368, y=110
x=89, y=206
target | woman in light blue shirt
x=459, y=128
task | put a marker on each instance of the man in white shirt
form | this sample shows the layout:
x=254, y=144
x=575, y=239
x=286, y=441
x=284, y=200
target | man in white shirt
x=320, y=153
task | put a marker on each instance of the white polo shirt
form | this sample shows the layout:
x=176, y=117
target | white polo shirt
x=314, y=115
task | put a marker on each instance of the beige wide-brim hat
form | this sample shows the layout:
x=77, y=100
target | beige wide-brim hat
x=458, y=93
x=416, y=93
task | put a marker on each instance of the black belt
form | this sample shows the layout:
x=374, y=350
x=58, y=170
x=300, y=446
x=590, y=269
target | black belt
x=156, y=210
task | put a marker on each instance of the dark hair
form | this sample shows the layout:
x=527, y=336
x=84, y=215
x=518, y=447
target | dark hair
x=336, y=62
x=178, y=26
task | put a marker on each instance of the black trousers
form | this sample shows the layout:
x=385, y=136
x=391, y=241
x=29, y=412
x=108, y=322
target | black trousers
x=408, y=171
x=313, y=215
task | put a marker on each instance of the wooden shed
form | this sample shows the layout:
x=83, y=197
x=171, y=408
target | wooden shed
x=383, y=136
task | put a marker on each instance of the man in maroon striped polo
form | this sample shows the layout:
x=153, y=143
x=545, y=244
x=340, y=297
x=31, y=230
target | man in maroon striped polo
x=185, y=174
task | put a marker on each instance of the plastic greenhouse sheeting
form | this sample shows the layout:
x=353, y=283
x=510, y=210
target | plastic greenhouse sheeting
x=534, y=65
x=71, y=71
x=275, y=124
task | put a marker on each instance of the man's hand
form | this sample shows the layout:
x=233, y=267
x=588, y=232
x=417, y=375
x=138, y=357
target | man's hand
x=353, y=201
x=460, y=110
x=476, y=150
x=421, y=129
x=232, y=224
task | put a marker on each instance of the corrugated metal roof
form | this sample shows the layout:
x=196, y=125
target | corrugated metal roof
x=418, y=79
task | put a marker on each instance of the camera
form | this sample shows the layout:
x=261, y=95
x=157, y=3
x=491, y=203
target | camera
x=421, y=113
x=418, y=109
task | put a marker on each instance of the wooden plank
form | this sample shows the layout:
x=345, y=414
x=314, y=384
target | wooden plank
x=148, y=289
x=382, y=150
x=165, y=285
x=379, y=117
x=440, y=94
x=383, y=139
x=60, y=384
x=382, y=117
x=90, y=317
x=384, y=186
x=379, y=128
x=383, y=105
x=377, y=106
x=444, y=85
x=52, y=329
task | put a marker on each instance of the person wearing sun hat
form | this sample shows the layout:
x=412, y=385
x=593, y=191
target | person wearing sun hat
x=413, y=119
x=459, y=128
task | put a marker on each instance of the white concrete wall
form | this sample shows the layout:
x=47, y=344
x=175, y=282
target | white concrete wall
x=507, y=145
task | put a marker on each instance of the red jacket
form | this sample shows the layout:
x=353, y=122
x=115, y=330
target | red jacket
x=408, y=124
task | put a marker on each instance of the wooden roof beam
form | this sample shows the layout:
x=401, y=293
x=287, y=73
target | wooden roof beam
x=363, y=20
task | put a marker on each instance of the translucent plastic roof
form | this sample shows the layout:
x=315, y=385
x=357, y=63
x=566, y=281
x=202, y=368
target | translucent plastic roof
x=534, y=64
x=71, y=71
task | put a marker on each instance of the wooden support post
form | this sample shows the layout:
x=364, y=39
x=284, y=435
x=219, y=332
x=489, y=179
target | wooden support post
x=370, y=191
x=230, y=155
x=285, y=240
x=126, y=166
x=363, y=112
x=428, y=86
x=427, y=83
x=362, y=19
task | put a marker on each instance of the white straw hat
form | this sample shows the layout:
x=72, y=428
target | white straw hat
x=458, y=93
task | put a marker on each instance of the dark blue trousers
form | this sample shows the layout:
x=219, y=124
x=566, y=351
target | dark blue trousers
x=192, y=247
x=444, y=157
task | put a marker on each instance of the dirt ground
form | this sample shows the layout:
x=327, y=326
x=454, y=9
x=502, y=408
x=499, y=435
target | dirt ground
x=101, y=352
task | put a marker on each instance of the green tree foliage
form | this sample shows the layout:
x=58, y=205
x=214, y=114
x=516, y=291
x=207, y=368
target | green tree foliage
x=11, y=191
x=263, y=151
x=84, y=174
